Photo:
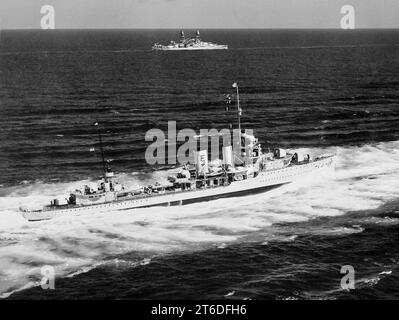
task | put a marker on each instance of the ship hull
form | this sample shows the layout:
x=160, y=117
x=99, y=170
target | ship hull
x=264, y=182
x=189, y=48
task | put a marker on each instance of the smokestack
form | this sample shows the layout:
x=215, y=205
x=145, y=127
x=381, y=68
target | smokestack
x=228, y=156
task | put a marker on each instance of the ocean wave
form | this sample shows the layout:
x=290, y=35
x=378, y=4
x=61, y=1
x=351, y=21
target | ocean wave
x=73, y=243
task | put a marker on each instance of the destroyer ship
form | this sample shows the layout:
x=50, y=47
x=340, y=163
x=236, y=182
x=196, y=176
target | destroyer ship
x=248, y=171
x=194, y=43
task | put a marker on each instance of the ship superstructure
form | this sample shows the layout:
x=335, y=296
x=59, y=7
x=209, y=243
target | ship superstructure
x=248, y=171
x=194, y=43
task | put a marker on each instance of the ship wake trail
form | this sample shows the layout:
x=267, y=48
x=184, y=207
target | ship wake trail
x=366, y=178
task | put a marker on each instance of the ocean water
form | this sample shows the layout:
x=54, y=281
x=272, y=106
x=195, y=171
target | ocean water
x=319, y=91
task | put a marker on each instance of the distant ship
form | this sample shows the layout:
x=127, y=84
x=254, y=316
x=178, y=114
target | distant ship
x=189, y=44
x=201, y=181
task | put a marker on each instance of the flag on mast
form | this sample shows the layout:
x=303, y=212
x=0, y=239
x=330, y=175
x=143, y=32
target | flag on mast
x=234, y=85
x=228, y=102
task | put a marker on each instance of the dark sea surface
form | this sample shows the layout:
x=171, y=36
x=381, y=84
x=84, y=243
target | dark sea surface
x=326, y=91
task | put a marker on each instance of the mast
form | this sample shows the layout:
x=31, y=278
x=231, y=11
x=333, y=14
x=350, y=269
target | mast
x=101, y=147
x=239, y=111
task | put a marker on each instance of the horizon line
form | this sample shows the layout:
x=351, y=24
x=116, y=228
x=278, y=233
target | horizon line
x=205, y=28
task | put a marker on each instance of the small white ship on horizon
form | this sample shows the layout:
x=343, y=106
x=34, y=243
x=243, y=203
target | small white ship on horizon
x=247, y=171
x=194, y=43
